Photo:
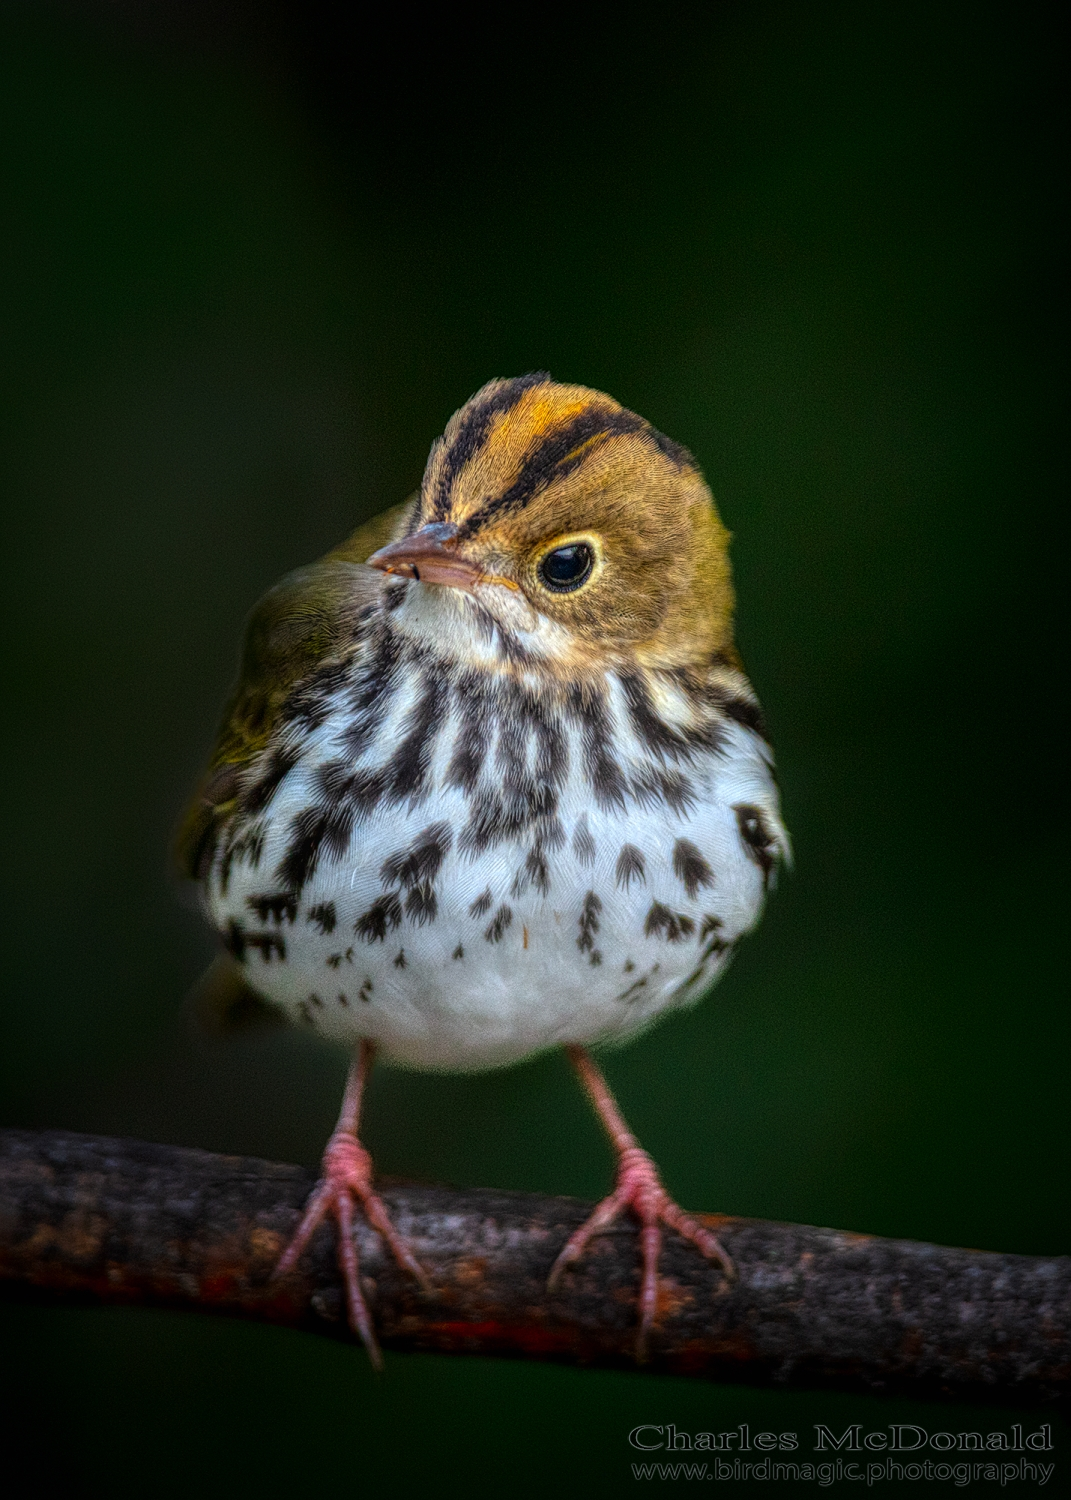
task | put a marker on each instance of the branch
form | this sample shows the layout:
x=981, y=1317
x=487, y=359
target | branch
x=90, y=1218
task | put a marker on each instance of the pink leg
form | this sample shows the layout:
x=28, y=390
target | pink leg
x=640, y=1189
x=347, y=1177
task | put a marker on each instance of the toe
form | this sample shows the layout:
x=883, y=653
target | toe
x=707, y=1243
x=359, y=1318
x=316, y=1210
x=347, y=1182
x=650, y=1249
x=376, y=1213
x=604, y=1215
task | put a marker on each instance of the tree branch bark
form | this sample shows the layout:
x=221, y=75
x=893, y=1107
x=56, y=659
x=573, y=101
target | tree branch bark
x=90, y=1218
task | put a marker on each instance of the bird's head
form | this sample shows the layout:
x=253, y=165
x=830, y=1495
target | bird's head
x=578, y=529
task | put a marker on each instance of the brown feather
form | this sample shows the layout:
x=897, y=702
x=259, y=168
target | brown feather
x=527, y=464
x=223, y=1003
x=297, y=626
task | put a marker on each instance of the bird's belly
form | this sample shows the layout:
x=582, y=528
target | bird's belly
x=461, y=960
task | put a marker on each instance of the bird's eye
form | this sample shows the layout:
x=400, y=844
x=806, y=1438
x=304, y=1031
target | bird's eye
x=566, y=568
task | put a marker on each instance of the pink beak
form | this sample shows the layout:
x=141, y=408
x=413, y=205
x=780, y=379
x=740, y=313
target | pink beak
x=429, y=556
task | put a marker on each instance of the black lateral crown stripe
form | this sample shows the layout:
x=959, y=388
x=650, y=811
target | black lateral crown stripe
x=677, y=453
x=473, y=429
x=561, y=451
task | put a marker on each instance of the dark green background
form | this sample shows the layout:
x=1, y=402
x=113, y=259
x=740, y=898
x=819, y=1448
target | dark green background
x=255, y=261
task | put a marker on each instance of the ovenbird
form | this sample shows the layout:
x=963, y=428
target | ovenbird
x=493, y=780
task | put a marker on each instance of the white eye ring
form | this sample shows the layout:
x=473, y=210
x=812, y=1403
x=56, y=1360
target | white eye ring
x=568, y=563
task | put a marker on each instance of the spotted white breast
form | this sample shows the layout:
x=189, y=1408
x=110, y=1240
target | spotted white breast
x=467, y=866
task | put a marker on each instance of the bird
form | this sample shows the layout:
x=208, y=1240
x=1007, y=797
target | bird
x=493, y=781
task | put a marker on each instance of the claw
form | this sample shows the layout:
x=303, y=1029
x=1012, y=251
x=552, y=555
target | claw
x=346, y=1180
x=639, y=1188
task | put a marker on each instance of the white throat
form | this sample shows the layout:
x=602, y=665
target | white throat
x=491, y=627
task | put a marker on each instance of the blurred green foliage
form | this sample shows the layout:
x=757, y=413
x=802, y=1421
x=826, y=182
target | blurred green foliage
x=822, y=246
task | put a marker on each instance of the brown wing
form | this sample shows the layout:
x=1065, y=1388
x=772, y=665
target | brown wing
x=224, y=1003
x=295, y=627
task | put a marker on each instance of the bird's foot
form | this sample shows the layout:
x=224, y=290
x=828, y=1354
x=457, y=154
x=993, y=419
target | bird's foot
x=639, y=1188
x=346, y=1181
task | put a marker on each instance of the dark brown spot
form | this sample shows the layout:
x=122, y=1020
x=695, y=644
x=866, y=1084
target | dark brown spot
x=690, y=868
x=583, y=843
x=342, y=797
x=261, y=791
x=634, y=989
x=535, y=865
x=589, y=924
x=712, y=925
x=421, y=862
x=411, y=759
x=381, y=915
x=588, y=709
x=630, y=866
x=654, y=788
x=323, y=916
x=501, y=920
x=276, y=906
x=482, y=905
x=244, y=848
x=759, y=843
x=662, y=739
x=670, y=925
x=747, y=712
x=271, y=945
x=234, y=940
x=421, y=904
x=473, y=736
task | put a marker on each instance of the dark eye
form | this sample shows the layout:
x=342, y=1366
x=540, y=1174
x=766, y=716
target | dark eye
x=566, y=568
